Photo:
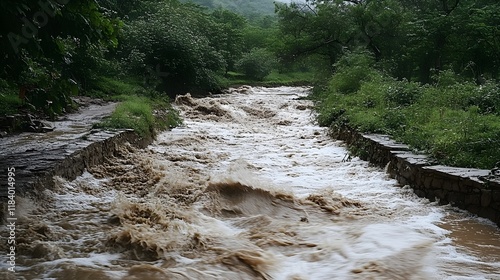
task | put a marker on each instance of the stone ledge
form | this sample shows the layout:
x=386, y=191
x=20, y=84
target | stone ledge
x=467, y=188
x=35, y=169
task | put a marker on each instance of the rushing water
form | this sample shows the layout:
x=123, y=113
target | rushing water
x=247, y=188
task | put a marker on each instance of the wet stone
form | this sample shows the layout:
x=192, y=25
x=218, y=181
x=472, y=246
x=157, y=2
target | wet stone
x=496, y=195
x=437, y=183
x=465, y=173
x=473, y=199
x=486, y=198
x=386, y=141
x=32, y=153
x=449, y=185
x=473, y=208
x=488, y=213
x=413, y=159
x=456, y=199
x=428, y=182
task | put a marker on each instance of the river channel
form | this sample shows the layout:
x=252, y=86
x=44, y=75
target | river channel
x=249, y=187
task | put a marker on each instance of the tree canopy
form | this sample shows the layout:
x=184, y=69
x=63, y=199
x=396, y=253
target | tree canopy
x=414, y=37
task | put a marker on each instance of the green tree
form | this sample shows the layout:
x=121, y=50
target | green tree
x=314, y=28
x=48, y=46
x=176, y=40
x=229, y=35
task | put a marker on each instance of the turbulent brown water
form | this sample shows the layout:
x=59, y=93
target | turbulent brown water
x=247, y=188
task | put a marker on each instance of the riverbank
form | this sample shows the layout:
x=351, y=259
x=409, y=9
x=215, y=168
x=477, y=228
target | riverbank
x=248, y=187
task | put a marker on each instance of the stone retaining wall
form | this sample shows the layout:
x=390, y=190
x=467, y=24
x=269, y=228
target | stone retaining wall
x=35, y=172
x=103, y=145
x=471, y=189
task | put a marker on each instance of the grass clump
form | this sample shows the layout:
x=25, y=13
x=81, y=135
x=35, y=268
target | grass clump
x=145, y=115
x=456, y=122
x=145, y=110
x=136, y=113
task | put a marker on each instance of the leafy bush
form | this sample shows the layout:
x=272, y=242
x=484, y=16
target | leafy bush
x=351, y=71
x=486, y=98
x=175, y=47
x=403, y=93
x=256, y=64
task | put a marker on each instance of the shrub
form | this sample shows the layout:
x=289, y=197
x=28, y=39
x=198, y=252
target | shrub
x=256, y=64
x=402, y=93
x=487, y=98
x=9, y=102
x=135, y=113
x=351, y=71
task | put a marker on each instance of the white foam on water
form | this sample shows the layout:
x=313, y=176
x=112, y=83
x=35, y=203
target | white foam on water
x=291, y=158
x=270, y=143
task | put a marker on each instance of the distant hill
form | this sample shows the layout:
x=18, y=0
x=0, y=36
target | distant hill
x=244, y=7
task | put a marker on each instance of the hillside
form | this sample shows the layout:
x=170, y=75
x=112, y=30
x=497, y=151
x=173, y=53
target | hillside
x=247, y=8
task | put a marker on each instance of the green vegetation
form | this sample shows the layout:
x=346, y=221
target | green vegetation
x=149, y=50
x=456, y=122
x=145, y=110
x=9, y=103
x=145, y=115
x=53, y=50
x=273, y=79
x=256, y=64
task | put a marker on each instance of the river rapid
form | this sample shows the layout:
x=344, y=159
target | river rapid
x=247, y=188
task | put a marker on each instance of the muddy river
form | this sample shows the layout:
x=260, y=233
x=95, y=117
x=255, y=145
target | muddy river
x=248, y=188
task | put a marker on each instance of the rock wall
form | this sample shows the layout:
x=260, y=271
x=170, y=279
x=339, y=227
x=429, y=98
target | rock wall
x=475, y=190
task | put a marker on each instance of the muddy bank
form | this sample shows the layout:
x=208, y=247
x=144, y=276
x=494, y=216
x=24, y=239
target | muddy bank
x=475, y=190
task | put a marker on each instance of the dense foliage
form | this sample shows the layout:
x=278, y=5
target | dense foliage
x=456, y=122
x=47, y=47
x=411, y=38
x=256, y=64
x=53, y=49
